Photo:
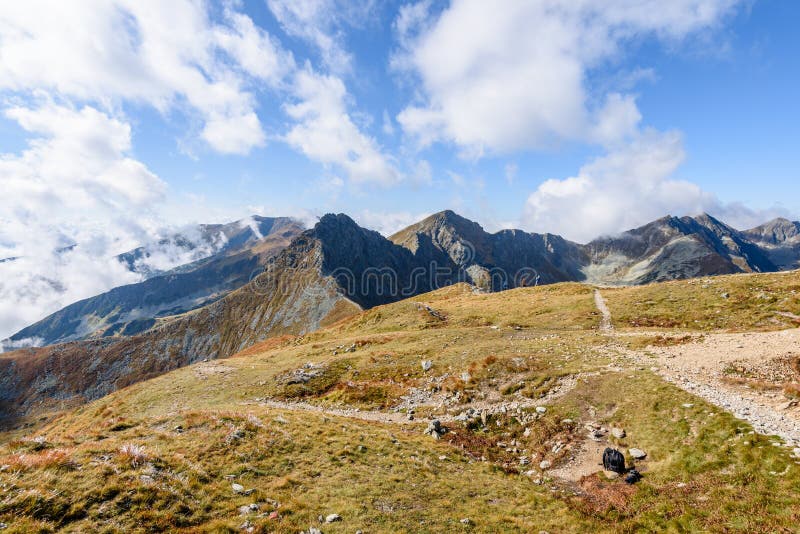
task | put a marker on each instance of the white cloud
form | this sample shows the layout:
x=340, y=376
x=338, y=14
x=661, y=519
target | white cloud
x=626, y=188
x=322, y=23
x=516, y=78
x=74, y=184
x=388, y=223
x=325, y=132
x=166, y=54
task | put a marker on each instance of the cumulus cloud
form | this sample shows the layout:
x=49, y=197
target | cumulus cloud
x=630, y=186
x=516, y=78
x=325, y=132
x=166, y=54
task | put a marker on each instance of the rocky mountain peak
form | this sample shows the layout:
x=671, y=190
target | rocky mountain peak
x=776, y=231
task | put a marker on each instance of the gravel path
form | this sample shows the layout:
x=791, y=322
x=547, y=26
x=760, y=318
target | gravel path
x=699, y=368
x=605, y=322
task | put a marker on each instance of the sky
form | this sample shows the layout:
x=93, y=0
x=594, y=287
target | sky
x=121, y=120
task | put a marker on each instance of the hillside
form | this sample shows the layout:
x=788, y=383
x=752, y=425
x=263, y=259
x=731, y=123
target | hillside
x=526, y=383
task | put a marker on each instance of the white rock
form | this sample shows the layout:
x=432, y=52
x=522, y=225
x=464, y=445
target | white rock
x=546, y=464
x=332, y=518
x=541, y=409
x=237, y=488
x=618, y=433
x=466, y=521
x=637, y=454
x=426, y=365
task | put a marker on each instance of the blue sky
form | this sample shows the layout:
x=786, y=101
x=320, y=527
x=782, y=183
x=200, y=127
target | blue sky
x=122, y=119
x=731, y=91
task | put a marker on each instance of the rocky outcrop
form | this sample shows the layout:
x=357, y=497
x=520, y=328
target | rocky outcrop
x=674, y=248
x=503, y=260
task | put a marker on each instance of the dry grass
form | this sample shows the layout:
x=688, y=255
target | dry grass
x=731, y=303
x=163, y=455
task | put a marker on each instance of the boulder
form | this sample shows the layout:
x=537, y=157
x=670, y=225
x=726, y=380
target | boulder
x=637, y=454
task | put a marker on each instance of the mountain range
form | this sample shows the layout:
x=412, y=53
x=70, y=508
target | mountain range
x=303, y=280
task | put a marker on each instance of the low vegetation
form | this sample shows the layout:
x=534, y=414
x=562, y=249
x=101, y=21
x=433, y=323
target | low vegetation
x=333, y=423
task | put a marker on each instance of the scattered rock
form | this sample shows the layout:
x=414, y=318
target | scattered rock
x=312, y=530
x=237, y=488
x=302, y=375
x=435, y=429
x=178, y=429
x=541, y=409
x=688, y=405
x=618, y=433
x=466, y=521
x=789, y=405
x=611, y=475
x=725, y=295
x=524, y=460
x=546, y=464
x=637, y=454
x=466, y=377
x=332, y=518
x=426, y=365
x=3, y=526
x=247, y=526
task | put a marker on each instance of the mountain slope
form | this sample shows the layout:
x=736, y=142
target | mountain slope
x=506, y=259
x=780, y=240
x=674, y=248
x=131, y=309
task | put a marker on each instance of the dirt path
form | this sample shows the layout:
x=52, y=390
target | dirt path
x=353, y=413
x=493, y=406
x=605, y=322
x=700, y=369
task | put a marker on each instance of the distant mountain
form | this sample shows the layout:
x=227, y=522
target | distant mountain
x=242, y=249
x=195, y=243
x=334, y=270
x=674, y=248
x=502, y=260
x=780, y=240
